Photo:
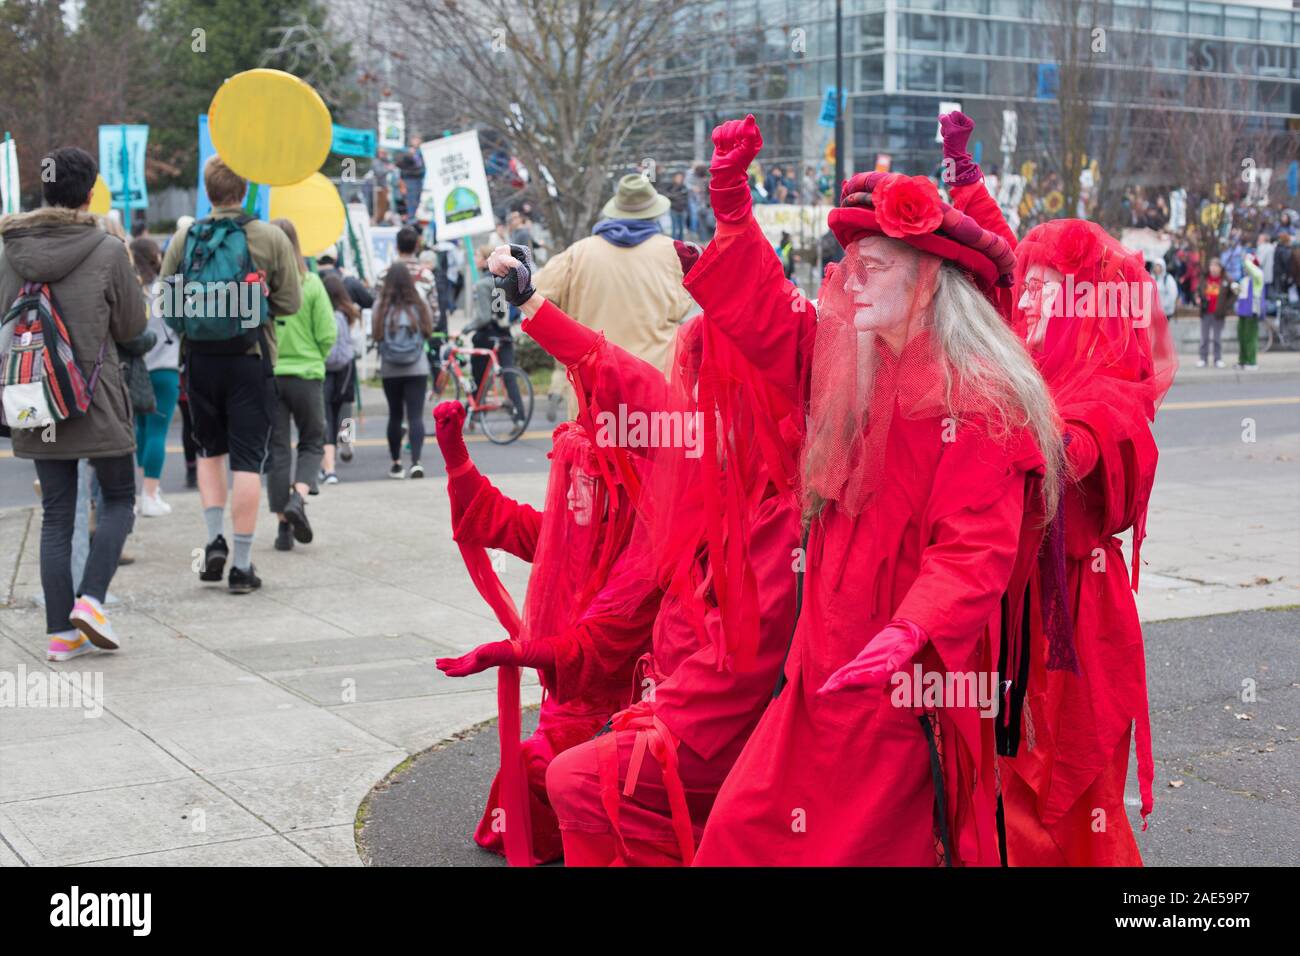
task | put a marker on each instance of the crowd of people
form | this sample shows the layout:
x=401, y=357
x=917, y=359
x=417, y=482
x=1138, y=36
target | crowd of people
x=841, y=601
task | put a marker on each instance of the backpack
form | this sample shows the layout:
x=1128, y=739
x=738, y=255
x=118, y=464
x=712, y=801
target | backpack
x=402, y=343
x=40, y=381
x=341, y=354
x=217, y=278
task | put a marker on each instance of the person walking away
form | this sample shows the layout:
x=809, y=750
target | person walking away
x=80, y=283
x=624, y=279
x=1166, y=288
x=340, y=370
x=401, y=325
x=303, y=339
x=230, y=359
x=1217, y=296
x=163, y=362
x=1250, y=306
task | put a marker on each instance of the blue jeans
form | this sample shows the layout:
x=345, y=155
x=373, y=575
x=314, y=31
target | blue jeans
x=679, y=225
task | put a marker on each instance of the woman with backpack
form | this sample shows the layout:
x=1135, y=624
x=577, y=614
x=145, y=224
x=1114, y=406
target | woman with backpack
x=163, y=363
x=402, y=324
x=303, y=341
x=340, y=370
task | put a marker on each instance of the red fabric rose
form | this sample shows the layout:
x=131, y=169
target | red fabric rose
x=1076, y=246
x=907, y=206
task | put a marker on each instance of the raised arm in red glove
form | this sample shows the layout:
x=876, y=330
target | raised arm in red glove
x=449, y=424
x=959, y=168
x=735, y=144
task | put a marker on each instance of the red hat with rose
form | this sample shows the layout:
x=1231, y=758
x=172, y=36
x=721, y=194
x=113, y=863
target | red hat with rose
x=908, y=208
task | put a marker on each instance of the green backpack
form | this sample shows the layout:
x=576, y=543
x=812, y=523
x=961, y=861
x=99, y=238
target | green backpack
x=218, y=300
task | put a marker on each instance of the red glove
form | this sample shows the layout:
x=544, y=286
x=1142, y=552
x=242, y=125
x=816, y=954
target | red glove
x=857, y=183
x=735, y=144
x=884, y=655
x=959, y=169
x=449, y=420
x=537, y=654
x=688, y=253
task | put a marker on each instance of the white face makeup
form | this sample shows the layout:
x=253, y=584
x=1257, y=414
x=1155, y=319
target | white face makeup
x=881, y=284
x=1040, y=300
x=581, y=497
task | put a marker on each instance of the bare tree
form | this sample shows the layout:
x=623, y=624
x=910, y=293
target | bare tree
x=570, y=85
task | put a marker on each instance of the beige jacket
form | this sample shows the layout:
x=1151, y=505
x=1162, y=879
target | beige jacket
x=633, y=294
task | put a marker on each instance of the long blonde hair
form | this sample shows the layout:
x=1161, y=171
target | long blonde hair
x=988, y=358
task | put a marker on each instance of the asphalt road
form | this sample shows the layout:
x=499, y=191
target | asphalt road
x=1226, y=771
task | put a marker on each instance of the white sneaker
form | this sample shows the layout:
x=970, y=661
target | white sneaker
x=1220, y=363
x=417, y=471
x=396, y=471
x=1200, y=363
x=152, y=506
x=89, y=618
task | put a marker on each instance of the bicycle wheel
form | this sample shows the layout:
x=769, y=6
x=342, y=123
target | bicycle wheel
x=1266, y=336
x=446, y=385
x=502, y=421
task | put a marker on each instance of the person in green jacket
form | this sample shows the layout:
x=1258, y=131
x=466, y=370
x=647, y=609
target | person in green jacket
x=303, y=340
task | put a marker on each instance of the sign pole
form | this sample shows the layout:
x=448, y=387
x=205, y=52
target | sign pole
x=126, y=183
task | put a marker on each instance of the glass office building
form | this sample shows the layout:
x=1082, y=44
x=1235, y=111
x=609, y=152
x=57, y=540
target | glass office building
x=903, y=58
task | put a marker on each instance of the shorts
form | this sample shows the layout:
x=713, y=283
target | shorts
x=231, y=397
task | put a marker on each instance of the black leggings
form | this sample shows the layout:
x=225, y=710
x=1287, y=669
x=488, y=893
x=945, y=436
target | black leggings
x=405, y=394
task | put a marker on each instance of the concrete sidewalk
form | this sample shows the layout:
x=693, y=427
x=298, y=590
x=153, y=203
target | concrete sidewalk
x=245, y=729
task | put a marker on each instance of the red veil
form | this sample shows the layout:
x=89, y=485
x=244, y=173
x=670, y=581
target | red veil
x=701, y=495
x=1110, y=344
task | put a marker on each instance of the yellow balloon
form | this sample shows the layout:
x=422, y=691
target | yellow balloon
x=101, y=200
x=270, y=127
x=314, y=208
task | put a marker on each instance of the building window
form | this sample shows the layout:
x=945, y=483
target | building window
x=1169, y=16
x=1274, y=26
x=1205, y=18
x=1241, y=22
x=921, y=73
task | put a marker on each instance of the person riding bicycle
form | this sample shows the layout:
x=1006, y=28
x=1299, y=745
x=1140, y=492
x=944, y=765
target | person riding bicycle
x=489, y=327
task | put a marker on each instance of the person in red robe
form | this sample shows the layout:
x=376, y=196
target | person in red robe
x=1108, y=359
x=927, y=430
x=573, y=544
x=717, y=542
x=1092, y=319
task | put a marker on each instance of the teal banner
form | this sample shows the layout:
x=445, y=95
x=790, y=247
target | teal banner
x=354, y=142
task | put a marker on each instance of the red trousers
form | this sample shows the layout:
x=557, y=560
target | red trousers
x=645, y=834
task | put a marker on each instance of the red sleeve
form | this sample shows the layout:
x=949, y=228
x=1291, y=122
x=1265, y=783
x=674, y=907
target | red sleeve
x=975, y=200
x=741, y=285
x=481, y=515
x=597, y=657
x=610, y=375
x=974, y=517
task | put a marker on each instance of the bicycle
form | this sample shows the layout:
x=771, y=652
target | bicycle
x=490, y=403
x=1281, y=328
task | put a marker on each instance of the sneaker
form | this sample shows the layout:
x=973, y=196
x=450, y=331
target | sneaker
x=314, y=490
x=295, y=512
x=284, y=537
x=1200, y=363
x=1251, y=368
x=243, y=582
x=345, y=452
x=214, y=559
x=396, y=471
x=417, y=471
x=191, y=477
x=152, y=506
x=1220, y=363
x=88, y=617
x=330, y=478
x=320, y=474
x=66, y=646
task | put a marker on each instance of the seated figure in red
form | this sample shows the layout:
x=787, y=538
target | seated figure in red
x=574, y=544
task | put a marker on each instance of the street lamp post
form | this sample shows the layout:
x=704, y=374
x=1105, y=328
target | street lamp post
x=839, y=99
